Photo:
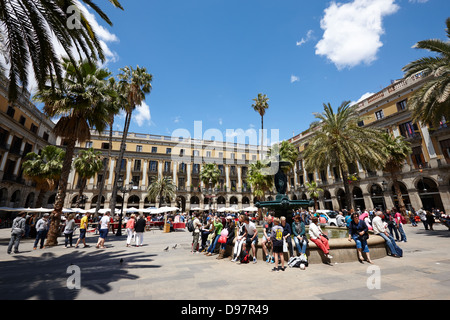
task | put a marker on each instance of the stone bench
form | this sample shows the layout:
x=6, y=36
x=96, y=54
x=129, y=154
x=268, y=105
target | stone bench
x=342, y=251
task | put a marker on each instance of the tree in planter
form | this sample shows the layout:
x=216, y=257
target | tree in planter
x=398, y=150
x=87, y=165
x=134, y=85
x=79, y=102
x=44, y=169
x=162, y=188
x=340, y=142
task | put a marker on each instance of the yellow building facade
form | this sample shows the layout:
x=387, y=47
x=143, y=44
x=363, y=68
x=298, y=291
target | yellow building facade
x=425, y=177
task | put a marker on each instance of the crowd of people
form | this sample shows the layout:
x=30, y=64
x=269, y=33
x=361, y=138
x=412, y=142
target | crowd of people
x=36, y=226
x=213, y=233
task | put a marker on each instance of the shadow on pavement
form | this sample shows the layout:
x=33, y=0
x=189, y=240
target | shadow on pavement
x=45, y=277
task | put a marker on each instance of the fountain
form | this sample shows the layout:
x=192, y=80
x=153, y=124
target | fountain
x=341, y=249
x=282, y=205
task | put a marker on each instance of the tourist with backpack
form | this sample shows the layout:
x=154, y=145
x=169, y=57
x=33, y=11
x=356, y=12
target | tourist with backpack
x=400, y=220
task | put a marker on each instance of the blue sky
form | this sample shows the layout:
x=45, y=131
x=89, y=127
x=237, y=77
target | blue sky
x=210, y=58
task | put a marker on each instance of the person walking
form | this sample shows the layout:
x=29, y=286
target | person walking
x=358, y=231
x=399, y=220
x=429, y=217
x=41, y=231
x=104, y=229
x=17, y=232
x=317, y=236
x=130, y=228
x=68, y=230
x=139, y=227
x=83, y=229
x=423, y=217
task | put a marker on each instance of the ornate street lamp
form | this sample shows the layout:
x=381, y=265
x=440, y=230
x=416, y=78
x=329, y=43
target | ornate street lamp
x=124, y=191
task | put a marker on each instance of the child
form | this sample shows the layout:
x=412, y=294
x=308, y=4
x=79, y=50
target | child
x=277, y=244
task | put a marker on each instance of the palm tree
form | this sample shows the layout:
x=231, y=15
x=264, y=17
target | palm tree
x=87, y=165
x=398, y=150
x=340, y=142
x=313, y=191
x=134, y=85
x=210, y=173
x=113, y=103
x=80, y=103
x=431, y=103
x=287, y=152
x=44, y=169
x=259, y=181
x=162, y=188
x=29, y=30
x=260, y=106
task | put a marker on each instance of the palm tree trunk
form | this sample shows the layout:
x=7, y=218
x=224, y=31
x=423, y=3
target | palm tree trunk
x=119, y=162
x=105, y=170
x=262, y=136
x=40, y=198
x=348, y=195
x=80, y=193
x=53, y=232
x=398, y=192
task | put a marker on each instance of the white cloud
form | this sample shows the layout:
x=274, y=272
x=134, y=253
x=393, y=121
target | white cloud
x=363, y=97
x=220, y=121
x=142, y=115
x=294, y=79
x=304, y=40
x=418, y=1
x=352, y=31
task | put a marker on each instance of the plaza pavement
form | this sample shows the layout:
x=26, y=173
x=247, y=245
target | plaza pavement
x=150, y=273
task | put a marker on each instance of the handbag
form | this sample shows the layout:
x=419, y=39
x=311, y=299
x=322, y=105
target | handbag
x=222, y=239
x=364, y=237
x=285, y=246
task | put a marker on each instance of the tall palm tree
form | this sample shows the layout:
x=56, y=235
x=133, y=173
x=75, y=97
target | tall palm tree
x=398, y=150
x=261, y=105
x=113, y=103
x=87, y=164
x=340, y=142
x=431, y=103
x=162, y=188
x=28, y=31
x=134, y=85
x=210, y=173
x=44, y=169
x=313, y=190
x=80, y=103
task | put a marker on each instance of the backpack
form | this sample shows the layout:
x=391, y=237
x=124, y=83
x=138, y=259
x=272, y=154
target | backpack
x=190, y=225
x=296, y=262
x=244, y=257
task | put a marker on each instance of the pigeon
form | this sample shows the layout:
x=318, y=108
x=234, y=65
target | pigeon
x=175, y=246
x=121, y=261
x=166, y=249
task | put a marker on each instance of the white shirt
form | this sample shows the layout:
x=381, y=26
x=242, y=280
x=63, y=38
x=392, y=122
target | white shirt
x=250, y=227
x=378, y=225
x=314, y=231
x=104, y=222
